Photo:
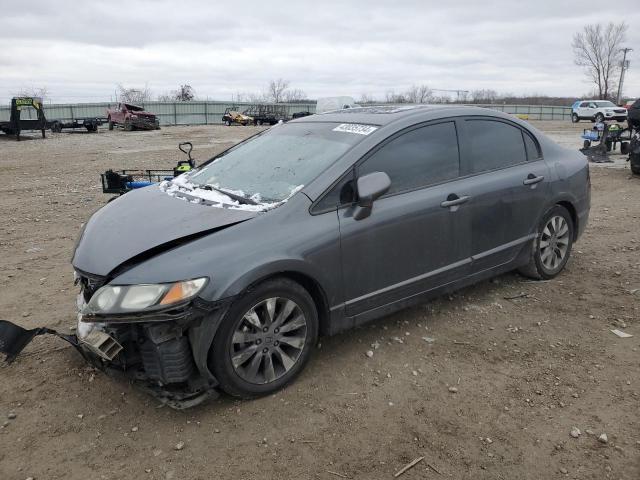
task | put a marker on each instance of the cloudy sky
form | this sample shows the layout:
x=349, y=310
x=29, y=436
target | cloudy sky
x=80, y=50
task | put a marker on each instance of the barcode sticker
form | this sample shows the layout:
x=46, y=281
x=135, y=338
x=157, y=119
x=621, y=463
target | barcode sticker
x=355, y=128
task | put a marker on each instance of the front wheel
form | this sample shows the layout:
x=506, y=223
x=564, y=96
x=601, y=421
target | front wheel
x=599, y=118
x=575, y=118
x=265, y=339
x=110, y=124
x=551, y=248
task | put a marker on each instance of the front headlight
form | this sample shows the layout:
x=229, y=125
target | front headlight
x=120, y=299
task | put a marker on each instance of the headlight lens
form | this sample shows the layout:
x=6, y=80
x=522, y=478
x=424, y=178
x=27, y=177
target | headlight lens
x=113, y=299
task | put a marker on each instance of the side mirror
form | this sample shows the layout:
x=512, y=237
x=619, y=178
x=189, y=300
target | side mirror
x=370, y=187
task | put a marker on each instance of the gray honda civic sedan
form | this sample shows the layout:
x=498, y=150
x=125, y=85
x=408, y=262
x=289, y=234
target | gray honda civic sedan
x=224, y=277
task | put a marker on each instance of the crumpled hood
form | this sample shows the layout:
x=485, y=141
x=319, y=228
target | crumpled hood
x=141, y=221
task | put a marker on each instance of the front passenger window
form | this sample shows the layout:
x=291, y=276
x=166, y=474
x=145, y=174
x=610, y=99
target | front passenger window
x=421, y=157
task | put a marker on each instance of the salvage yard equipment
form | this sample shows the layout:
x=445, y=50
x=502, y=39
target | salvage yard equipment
x=132, y=117
x=16, y=124
x=120, y=182
x=606, y=137
x=90, y=123
x=266, y=113
x=231, y=115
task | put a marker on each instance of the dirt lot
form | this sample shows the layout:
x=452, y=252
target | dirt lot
x=526, y=369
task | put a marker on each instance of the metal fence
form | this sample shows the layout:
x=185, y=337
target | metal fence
x=210, y=112
x=534, y=112
x=169, y=113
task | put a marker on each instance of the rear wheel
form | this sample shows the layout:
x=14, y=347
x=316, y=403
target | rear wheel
x=575, y=118
x=599, y=118
x=265, y=339
x=551, y=248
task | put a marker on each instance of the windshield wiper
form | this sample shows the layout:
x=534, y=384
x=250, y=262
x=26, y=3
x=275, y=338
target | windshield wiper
x=233, y=196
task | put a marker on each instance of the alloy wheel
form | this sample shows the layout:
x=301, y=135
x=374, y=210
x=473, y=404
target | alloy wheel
x=554, y=242
x=268, y=340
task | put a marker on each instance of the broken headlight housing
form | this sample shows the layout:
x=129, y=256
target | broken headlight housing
x=123, y=299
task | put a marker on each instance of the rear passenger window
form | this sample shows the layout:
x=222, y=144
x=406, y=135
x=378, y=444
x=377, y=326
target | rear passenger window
x=494, y=145
x=533, y=153
x=418, y=158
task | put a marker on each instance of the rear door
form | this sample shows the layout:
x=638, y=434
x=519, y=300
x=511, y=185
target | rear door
x=413, y=240
x=509, y=190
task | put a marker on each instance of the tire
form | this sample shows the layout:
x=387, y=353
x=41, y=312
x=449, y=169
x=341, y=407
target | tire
x=227, y=123
x=624, y=148
x=231, y=360
x=586, y=144
x=127, y=125
x=541, y=266
x=110, y=124
x=634, y=163
x=575, y=118
x=56, y=127
x=599, y=118
x=608, y=145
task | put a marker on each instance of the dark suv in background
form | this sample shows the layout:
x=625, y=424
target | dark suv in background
x=225, y=276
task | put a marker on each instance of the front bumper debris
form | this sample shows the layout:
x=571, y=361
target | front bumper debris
x=167, y=359
x=14, y=338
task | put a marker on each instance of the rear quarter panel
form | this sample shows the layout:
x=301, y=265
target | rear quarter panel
x=570, y=179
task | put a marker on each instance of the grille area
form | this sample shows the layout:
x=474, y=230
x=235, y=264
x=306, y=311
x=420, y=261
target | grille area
x=167, y=362
x=89, y=284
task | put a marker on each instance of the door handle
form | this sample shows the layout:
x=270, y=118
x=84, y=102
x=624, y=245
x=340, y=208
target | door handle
x=454, y=200
x=532, y=179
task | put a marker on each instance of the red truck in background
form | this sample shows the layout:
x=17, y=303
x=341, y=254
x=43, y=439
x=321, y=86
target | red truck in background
x=132, y=117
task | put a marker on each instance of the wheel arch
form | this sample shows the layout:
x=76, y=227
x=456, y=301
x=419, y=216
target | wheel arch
x=574, y=215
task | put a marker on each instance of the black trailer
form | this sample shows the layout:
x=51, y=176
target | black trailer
x=16, y=124
x=267, y=113
x=90, y=123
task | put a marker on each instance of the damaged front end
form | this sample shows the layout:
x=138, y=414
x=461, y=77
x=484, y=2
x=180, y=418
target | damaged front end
x=163, y=350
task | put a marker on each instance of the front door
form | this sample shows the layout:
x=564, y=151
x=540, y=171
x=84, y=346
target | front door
x=417, y=236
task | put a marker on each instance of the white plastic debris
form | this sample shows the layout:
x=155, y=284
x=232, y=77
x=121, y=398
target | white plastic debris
x=621, y=334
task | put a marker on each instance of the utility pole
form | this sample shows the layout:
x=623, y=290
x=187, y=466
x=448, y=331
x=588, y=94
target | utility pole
x=624, y=66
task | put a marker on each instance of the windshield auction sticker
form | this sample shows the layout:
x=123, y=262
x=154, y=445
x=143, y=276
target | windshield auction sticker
x=355, y=128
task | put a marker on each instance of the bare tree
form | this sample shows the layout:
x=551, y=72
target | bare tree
x=276, y=90
x=133, y=95
x=597, y=50
x=419, y=94
x=38, y=92
x=365, y=98
x=392, y=97
x=294, y=95
x=185, y=93
x=484, y=95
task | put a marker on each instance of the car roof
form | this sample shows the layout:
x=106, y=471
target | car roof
x=386, y=114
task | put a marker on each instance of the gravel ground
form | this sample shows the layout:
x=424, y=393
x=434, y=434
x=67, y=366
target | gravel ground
x=491, y=382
